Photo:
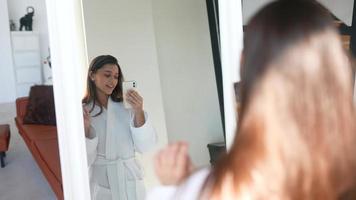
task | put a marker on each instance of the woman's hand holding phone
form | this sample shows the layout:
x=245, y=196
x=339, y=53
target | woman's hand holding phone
x=135, y=100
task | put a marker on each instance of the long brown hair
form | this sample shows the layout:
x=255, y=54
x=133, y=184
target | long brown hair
x=296, y=137
x=91, y=94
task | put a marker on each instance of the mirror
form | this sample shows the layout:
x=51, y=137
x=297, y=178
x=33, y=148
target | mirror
x=164, y=46
x=168, y=53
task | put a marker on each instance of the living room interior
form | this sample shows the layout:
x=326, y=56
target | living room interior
x=22, y=178
x=164, y=46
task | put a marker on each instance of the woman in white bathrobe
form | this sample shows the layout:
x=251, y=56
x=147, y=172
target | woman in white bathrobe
x=114, y=134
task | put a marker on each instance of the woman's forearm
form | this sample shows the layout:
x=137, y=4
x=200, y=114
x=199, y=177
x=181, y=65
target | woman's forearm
x=139, y=118
x=86, y=130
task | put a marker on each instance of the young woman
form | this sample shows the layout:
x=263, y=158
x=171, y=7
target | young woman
x=296, y=137
x=114, y=134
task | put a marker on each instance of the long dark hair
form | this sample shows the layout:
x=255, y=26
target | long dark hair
x=296, y=137
x=91, y=93
x=271, y=31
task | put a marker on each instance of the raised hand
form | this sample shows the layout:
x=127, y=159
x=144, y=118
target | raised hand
x=135, y=100
x=173, y=164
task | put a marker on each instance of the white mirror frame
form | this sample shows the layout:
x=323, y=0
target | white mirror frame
x=69, y=59
x=231, y=40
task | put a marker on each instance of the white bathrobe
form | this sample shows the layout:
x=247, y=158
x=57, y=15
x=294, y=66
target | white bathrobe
x=114, y=172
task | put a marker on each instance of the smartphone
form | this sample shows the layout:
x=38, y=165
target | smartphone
x=126, y=86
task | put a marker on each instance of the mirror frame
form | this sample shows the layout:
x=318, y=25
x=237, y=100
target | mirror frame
x=231, y=41
x=69, y=61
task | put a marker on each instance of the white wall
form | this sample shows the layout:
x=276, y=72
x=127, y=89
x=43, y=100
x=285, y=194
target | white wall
x=342, y=9
x=17, y=9
x=7, y=76
x=250, y=7
x=125, y=30
x=164, y=46
x=187, y=75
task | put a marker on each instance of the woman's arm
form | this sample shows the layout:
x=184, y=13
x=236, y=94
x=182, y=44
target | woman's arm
x=91, y=141
x=136, y=102
x=139, y=118
x=87, y=121
x=143, y=133
x=144, y=137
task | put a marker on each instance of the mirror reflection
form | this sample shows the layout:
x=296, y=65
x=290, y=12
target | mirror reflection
x=150, y=51
x=174, y=75
x=163, y=46
x=169, y=55
x=116, y=127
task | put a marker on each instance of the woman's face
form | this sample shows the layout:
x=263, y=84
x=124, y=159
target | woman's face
x=106, y=78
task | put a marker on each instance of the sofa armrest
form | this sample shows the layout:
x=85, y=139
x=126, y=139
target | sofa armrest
x=21, y=106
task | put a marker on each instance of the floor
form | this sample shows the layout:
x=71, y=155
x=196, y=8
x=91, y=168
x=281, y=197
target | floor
x=21, y=178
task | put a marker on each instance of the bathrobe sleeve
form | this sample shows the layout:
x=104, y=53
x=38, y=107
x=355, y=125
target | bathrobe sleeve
x=144, y=137
x=91, y=143
x=190, y=189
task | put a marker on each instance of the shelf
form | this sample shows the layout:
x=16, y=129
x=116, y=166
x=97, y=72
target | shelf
x=27, y=60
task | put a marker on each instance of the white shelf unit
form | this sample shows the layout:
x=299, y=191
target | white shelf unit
x=27, y=61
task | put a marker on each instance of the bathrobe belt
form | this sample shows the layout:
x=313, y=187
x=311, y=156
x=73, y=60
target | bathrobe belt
x=117, y=171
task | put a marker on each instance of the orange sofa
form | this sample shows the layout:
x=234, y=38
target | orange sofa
x=42, y=142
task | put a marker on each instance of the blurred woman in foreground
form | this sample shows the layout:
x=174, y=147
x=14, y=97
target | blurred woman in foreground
x=296, y=136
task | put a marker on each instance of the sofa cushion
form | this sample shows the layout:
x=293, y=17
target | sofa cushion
x=40, y=107
x=21, y=106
